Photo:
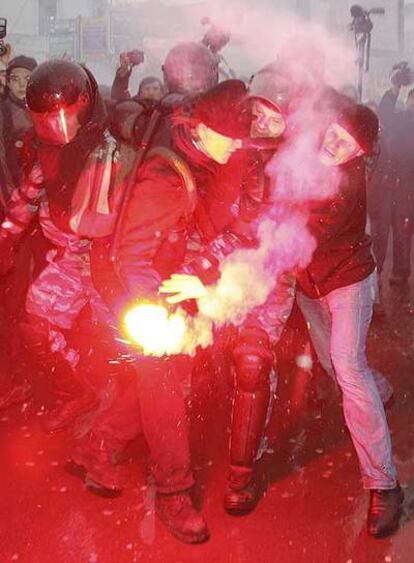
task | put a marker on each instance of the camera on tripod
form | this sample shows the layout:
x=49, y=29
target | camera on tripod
x=215, y=38
x=361, y=19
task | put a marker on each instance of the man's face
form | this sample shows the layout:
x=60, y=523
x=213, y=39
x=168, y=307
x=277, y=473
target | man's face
x=151, y=91
x=266, y=121
x=338, y=147
x=218, y=147
x=17, y=82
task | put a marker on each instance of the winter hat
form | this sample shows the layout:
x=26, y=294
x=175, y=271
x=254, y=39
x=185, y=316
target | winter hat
x=362, y=123
x=270, y=86
x=21, y=62
x=150, y=80
x=221, y=109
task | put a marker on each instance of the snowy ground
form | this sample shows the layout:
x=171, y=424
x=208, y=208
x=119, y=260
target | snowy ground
x=313, y=509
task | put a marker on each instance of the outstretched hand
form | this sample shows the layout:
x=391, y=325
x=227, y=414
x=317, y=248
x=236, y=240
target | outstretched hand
x=181, y=287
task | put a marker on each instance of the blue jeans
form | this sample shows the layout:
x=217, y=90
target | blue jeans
x=338, y=325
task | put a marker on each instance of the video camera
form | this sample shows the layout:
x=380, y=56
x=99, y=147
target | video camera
x=361, y=19
x=3, y=33
x=215, y=38
x=135, y=57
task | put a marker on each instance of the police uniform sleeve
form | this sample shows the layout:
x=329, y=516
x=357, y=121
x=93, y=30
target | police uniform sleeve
x=21, y=209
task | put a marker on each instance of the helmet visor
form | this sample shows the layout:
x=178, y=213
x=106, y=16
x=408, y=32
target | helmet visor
x=60, y=126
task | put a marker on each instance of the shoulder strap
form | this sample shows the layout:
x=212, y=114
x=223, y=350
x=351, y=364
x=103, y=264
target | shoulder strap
x=183, y=170
x=139, y=159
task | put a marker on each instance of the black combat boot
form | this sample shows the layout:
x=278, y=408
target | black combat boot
x=177, y=512
x=241, y=495
x=99, y=461
x=384, y=511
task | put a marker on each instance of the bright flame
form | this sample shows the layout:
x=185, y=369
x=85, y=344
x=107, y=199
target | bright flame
x=154, y=330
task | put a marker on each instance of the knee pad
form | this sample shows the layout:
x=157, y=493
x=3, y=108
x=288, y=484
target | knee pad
x=253, y=359
x=253, y=340
x=252, y=372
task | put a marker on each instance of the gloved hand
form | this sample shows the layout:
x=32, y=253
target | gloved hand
x=182, y=287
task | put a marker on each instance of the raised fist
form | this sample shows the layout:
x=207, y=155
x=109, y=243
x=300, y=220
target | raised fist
x=124, y=64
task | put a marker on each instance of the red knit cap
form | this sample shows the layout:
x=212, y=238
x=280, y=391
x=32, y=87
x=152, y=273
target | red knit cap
x=221, y=109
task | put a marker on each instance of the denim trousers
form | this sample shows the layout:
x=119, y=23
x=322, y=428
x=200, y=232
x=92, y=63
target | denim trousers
x=338, y=325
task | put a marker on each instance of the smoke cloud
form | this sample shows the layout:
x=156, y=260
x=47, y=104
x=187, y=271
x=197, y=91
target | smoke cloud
x=313, y=59
x=298, y=180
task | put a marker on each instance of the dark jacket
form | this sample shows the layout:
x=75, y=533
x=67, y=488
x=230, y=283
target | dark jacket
x=52, y=202
x=160, y=220
x=152, y=237
x=120, y=86
x=228, y=213
x=120, y=91
x=63, y=165
x=398, y=132
x=343, y=254
x=16, y=129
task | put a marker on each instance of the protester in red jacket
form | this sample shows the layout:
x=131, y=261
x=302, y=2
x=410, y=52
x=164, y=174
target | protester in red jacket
x=160, y=213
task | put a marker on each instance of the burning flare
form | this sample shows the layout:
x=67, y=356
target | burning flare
x=154, y=330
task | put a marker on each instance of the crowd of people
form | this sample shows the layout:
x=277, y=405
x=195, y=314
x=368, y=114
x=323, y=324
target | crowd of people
x=111, y=200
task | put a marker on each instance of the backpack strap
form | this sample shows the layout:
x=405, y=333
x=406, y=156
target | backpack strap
x=183, y=170
x=152, y=126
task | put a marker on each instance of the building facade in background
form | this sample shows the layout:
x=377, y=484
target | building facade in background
x=97, y=30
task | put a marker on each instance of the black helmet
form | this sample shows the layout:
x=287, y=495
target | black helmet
x=190, y=68
x=56, y=84
x=271, y=86
x=59, y=97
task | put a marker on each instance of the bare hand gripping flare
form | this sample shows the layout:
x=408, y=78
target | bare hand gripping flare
x=247, y=278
